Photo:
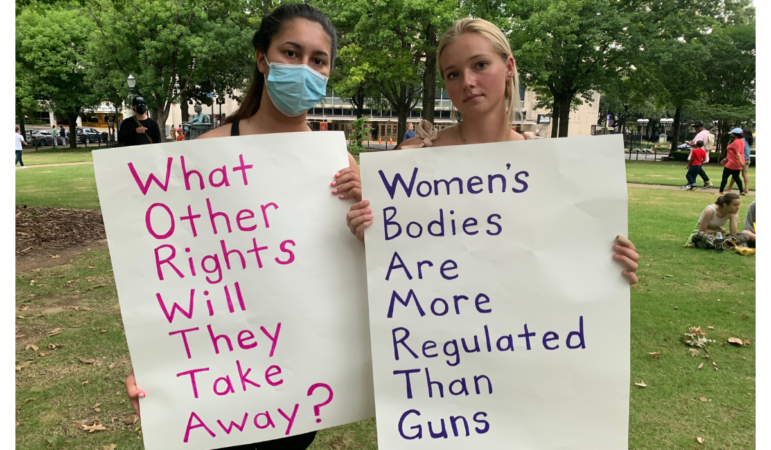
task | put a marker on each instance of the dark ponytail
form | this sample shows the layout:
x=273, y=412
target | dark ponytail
x=748, y=137
x=726, y=199
x=269, y=28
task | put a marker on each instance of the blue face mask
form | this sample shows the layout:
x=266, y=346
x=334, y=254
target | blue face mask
x=295, y=88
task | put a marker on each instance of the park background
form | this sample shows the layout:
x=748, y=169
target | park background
x=591, y=67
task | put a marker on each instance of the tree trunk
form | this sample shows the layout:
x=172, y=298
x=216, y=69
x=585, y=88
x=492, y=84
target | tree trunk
x=402, y=125
x=183, y=107
x=429, y=75
x=72, y=122
x=565, y=115
x=160, y=115
x=676, y=130
x=555, y=117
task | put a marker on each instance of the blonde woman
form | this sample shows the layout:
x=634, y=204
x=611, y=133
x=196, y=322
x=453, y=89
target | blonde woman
x=474, y=59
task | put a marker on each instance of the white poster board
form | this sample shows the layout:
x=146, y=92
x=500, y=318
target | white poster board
x=521, y=337
x=245, y=315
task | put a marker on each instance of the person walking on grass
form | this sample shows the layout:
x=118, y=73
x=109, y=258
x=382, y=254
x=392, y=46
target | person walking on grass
x=748, y=140
x=734, y=161
x=19, y=149
x=702, y=134
x=713, y=220
x=698, y=155
x=139, y=129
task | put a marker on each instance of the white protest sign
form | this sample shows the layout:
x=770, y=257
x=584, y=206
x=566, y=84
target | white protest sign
x=498, y=318
x=242, y=291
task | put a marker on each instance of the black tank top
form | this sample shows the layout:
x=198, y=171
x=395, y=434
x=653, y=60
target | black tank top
x=234, y=128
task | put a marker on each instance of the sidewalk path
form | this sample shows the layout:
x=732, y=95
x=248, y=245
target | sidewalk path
x=713, y=190
x=54, y=165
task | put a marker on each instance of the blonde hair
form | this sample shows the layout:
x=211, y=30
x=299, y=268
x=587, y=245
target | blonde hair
x=501, y=46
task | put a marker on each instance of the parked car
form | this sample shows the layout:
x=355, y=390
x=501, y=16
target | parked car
x=87, y=135
x=40, y=138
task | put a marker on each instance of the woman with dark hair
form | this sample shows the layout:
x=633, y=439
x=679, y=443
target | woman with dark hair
x=713, y=220
x=748, y=140
x=295, y=50
x=734, y=160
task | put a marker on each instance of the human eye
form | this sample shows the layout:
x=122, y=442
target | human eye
x=318, y=61
x=290, y=53
x=451, y=75
x=482, y=64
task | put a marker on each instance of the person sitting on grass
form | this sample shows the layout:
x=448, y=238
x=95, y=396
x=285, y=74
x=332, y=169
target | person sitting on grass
x=698, y=155
x=749, y=226
x=712, y=221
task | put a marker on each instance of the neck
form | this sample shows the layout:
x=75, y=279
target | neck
x=268, y=119
x=488, y=128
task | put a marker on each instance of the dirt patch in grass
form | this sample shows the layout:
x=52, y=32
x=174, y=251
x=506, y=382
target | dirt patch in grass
x=45, y=233
x=27, y=263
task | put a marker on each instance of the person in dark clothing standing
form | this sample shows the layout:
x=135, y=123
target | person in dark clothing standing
x=139, y=129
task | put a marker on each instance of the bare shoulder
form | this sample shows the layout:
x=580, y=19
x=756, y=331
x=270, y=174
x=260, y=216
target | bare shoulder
x=518, y=137
x=222, y=131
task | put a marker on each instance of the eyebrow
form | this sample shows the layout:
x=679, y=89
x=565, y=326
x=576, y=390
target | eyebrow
x=469, y=59
x=315, y=52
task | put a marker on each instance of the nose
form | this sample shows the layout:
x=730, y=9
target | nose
x=469, y=81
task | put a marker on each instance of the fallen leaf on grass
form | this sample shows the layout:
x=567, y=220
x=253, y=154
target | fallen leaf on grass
x=738, y=342
x=90, y=428
x=714, y=365
x=20, y=317
x=87, y=361
x=110, y=447
x=23, y=365
x=641, y=384
x=131, y=420
x=54, y=332
x=31, y=346
x=700, y=366
x=700, y=440
x=693, y=351
x=654, y=355
x=20, y=336
x=32, y=282
x=55, y=256
x=670, y=275
x=23, y=308
x=84, y=383
x=711, y=327
x=42, y=354
x=704, y=399
x=53, y=346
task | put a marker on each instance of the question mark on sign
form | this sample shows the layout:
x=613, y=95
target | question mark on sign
x=317, y=408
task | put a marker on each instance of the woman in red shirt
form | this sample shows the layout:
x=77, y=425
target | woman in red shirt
x=734, y=161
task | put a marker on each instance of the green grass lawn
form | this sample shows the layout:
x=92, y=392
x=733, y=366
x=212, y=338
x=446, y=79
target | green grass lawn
x=63, y=186
x=673, y=173
x=56, y=156
x=680, y=287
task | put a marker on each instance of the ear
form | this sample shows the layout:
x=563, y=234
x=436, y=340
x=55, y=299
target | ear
x=262, y=64
x=511, y=67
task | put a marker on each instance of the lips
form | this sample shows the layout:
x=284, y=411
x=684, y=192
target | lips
x=471, y=97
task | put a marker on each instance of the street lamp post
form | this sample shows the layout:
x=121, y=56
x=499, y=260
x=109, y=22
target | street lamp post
x=131, y=83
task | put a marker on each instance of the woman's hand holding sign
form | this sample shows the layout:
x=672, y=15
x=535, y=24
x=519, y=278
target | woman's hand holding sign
x=134, y=393
x=347, y=184
x=359, y=217
x=627, y=255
